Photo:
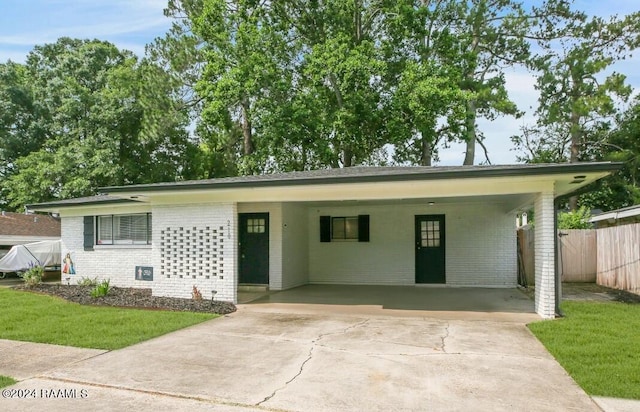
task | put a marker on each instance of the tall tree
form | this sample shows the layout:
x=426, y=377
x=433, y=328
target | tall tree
x=621, y=144
x=90, y=104
x=242, y=53
x=577, y=97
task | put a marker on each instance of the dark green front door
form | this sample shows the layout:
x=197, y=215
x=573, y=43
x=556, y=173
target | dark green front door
x=430, y=242
x=254, y=248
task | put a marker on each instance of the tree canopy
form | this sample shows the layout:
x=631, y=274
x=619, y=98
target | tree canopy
x=249, y=87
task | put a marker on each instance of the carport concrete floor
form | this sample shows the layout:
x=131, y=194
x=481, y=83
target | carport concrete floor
x=301, y=356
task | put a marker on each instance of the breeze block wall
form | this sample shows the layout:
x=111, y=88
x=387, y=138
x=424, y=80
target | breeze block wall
x=195, y=245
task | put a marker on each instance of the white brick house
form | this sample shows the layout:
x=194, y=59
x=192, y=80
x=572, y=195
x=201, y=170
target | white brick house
x=447, y=226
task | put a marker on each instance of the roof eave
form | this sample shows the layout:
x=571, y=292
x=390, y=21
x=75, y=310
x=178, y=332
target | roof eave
x=52, y=206
x=566, y=168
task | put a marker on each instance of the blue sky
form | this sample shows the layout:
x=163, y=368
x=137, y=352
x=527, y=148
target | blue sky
x=130, y=24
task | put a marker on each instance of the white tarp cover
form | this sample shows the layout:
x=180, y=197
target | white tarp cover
x=21, y=257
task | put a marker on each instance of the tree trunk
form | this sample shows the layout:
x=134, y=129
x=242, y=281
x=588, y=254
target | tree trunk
x=427, y=149
x=576, y=139
x=470, y=126
x=347, y=157
x=247, y=133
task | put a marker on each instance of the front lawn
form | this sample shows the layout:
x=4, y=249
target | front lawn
x=37, y=318
x=598, y=344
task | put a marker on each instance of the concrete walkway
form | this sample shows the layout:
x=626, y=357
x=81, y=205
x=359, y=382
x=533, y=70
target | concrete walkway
x=278, y=356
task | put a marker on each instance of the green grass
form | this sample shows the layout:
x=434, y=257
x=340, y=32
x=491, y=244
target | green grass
x=6, y=381
x=37, y=318
x=598, y=344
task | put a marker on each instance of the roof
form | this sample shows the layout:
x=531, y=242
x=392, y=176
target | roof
x=19, y=224
x=83, y=201
x=617, y=214
x=579, y=173
x=370, y=174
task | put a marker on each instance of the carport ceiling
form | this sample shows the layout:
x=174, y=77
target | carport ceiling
x=512, y=202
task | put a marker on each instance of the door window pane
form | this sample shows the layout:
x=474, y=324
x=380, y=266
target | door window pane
x=256, y=225
x=430, y=233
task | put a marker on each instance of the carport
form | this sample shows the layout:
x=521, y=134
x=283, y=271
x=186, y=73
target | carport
x=378, y=226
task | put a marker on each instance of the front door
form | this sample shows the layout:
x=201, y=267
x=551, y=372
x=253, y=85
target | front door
x=430, y=242
x=254, y=248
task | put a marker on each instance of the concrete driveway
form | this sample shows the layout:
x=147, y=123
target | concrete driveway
x=274, y=357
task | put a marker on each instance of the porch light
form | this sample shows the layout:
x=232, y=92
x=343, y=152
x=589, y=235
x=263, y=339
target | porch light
x=578, y=179
x=431, y=203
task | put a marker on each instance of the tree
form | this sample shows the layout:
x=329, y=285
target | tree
x=95, y=124
x=452, y=55
x=621, y=144
x=577, y=98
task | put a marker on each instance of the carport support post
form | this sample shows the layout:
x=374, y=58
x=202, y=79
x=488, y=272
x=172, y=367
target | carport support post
x=545, y=255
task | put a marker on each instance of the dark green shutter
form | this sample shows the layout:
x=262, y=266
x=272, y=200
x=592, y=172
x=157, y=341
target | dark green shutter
x=325, y=228
x=363, y=228
x=89, y=233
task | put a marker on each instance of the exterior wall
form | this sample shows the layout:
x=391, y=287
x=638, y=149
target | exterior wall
x=181, y=251
x=179, y=259
x=545, y=255
x=295, y=245
x=105, y=262
x=275, y=238
x=480, y=246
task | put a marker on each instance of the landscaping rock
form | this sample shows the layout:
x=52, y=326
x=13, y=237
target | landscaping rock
x=131, y=298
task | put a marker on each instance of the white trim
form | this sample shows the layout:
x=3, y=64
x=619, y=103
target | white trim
x=10, y=240
x=616, y=215
x=122, y=246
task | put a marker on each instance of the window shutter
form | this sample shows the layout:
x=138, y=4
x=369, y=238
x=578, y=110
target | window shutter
x=363, y=228
x=88, y=232
x=325, y=228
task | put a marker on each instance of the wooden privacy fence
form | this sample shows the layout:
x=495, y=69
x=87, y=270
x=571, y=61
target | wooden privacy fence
x=609, y=256
x=576, y=255
x=619, y=257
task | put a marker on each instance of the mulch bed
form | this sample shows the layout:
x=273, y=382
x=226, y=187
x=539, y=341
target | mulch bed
x=131, y=298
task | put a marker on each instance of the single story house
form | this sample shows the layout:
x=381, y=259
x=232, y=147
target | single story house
x=445, y=226
x=624, y=216
x=21, y=228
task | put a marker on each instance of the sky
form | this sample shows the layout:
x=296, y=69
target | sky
x=131, y=24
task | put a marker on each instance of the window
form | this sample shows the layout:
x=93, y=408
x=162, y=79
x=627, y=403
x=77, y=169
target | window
x=344, y=228
x=124, y=229
x=430, y=233
x=256, y=225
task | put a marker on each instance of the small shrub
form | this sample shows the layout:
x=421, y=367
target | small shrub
x=102, y=289
x=88, y=281
x=577, y=219
x=33, y=276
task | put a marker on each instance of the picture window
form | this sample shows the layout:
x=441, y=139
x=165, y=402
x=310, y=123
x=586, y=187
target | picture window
x=344, y=228
x=124, y=229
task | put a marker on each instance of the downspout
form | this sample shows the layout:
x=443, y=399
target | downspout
x=557, y=277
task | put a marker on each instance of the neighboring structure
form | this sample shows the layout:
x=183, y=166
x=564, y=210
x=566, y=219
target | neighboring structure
x=451, y=226
x=624, y=216
x=20, y=228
